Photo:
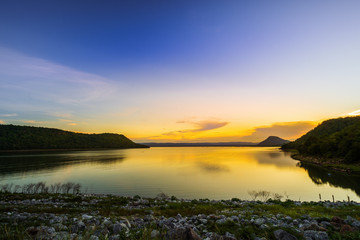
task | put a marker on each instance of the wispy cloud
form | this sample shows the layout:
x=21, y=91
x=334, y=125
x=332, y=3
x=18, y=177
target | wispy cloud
x=8, y=115
x=286, y=130
x=72, y=124
x=199, y=126
x=33, y=121
x=44, y=83
x=355, y=113
x=65, y=120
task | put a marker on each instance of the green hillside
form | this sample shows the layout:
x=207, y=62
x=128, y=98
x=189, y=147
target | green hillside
x=30, y=138
x=333, y=139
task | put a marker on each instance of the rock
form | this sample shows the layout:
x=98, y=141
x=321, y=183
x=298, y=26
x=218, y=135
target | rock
x=93, y=237
x=115, y=237
x=203, y=221
x=264, y=227
x=81, y=226
x=59, y=227
x=356, y=224
x=229, y=236
x=62, y=235
x=337, y=220
x=119, y=227
x=259, y=221
x=155, y=234
x=283, y=235
x=116, y=228
x=182, y=233
x=315, y=235
x=107, y=223
x=315, y=227
x=42, y=232
x=86, y=217
x=349, y=220
x=221, y=221
x=346, y=228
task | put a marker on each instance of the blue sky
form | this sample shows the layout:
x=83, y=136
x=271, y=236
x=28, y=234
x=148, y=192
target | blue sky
x=149, y=68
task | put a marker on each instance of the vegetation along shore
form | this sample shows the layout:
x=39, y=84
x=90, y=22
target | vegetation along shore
x=334, y=144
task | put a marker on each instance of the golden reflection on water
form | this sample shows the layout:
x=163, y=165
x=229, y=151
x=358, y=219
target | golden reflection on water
x=187, y=172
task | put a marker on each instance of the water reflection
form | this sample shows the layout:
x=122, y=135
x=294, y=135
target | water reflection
x=185, y=172
x=12, y=164
x=212, y=167
x=276, y=158
x=322, y=176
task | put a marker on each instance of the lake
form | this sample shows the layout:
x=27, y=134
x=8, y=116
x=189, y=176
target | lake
x=184, y=172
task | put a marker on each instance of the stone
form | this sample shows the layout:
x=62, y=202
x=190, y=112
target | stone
x=203, y=221
x=283, y=235
x=155, y=234
x=259, y=221
x=42, y=232
x=229, y=236
x=337, y=220
x=349, y=220
x=62, y=235
x=315, y=235
x=114, y=237
x=86, y=217
x=81, y=226
x=356, y=224
x=221, y=221
x=182, y=233
x=346, y=228
x=116, y=228
x=93, y=237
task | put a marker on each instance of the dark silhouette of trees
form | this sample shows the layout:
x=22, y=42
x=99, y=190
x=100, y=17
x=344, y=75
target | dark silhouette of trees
x=14, y=137
x=334, y=138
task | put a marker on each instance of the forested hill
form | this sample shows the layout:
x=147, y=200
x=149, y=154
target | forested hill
x=30, y=138
x=272, y=141
x=334, y=138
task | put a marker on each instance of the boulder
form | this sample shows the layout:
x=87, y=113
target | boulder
x=283, y=235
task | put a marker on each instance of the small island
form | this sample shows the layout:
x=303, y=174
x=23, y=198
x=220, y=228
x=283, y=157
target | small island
x=334, y=144
x=26, y=138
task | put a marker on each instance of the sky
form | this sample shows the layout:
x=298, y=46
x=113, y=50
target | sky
x=179, y=71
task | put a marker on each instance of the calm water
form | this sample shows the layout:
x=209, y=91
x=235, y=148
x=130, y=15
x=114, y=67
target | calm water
x=185, y=172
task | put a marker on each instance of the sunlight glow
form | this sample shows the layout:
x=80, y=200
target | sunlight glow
x=355, y=113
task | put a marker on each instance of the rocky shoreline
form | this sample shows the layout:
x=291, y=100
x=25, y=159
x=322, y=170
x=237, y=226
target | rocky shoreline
x=65, y=216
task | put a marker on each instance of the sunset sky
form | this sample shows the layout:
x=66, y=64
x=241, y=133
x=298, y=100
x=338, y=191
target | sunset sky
x=179, y=71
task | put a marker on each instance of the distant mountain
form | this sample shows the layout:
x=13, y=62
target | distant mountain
x=333, y=139
x=201, y=144
x=14, y=137
x=272, y=141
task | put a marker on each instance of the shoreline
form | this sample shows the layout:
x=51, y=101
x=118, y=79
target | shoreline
x=65, y=150
x=348, y=169
x=98, y=216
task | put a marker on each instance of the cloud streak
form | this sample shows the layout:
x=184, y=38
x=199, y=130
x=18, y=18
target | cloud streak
x=8, y=115
x=200, y=126
x=44, y=83
x=33, y=121
x=286, y=130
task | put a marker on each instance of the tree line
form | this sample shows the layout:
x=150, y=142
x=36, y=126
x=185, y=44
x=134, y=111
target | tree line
x=335, y=138
x=14, y=137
